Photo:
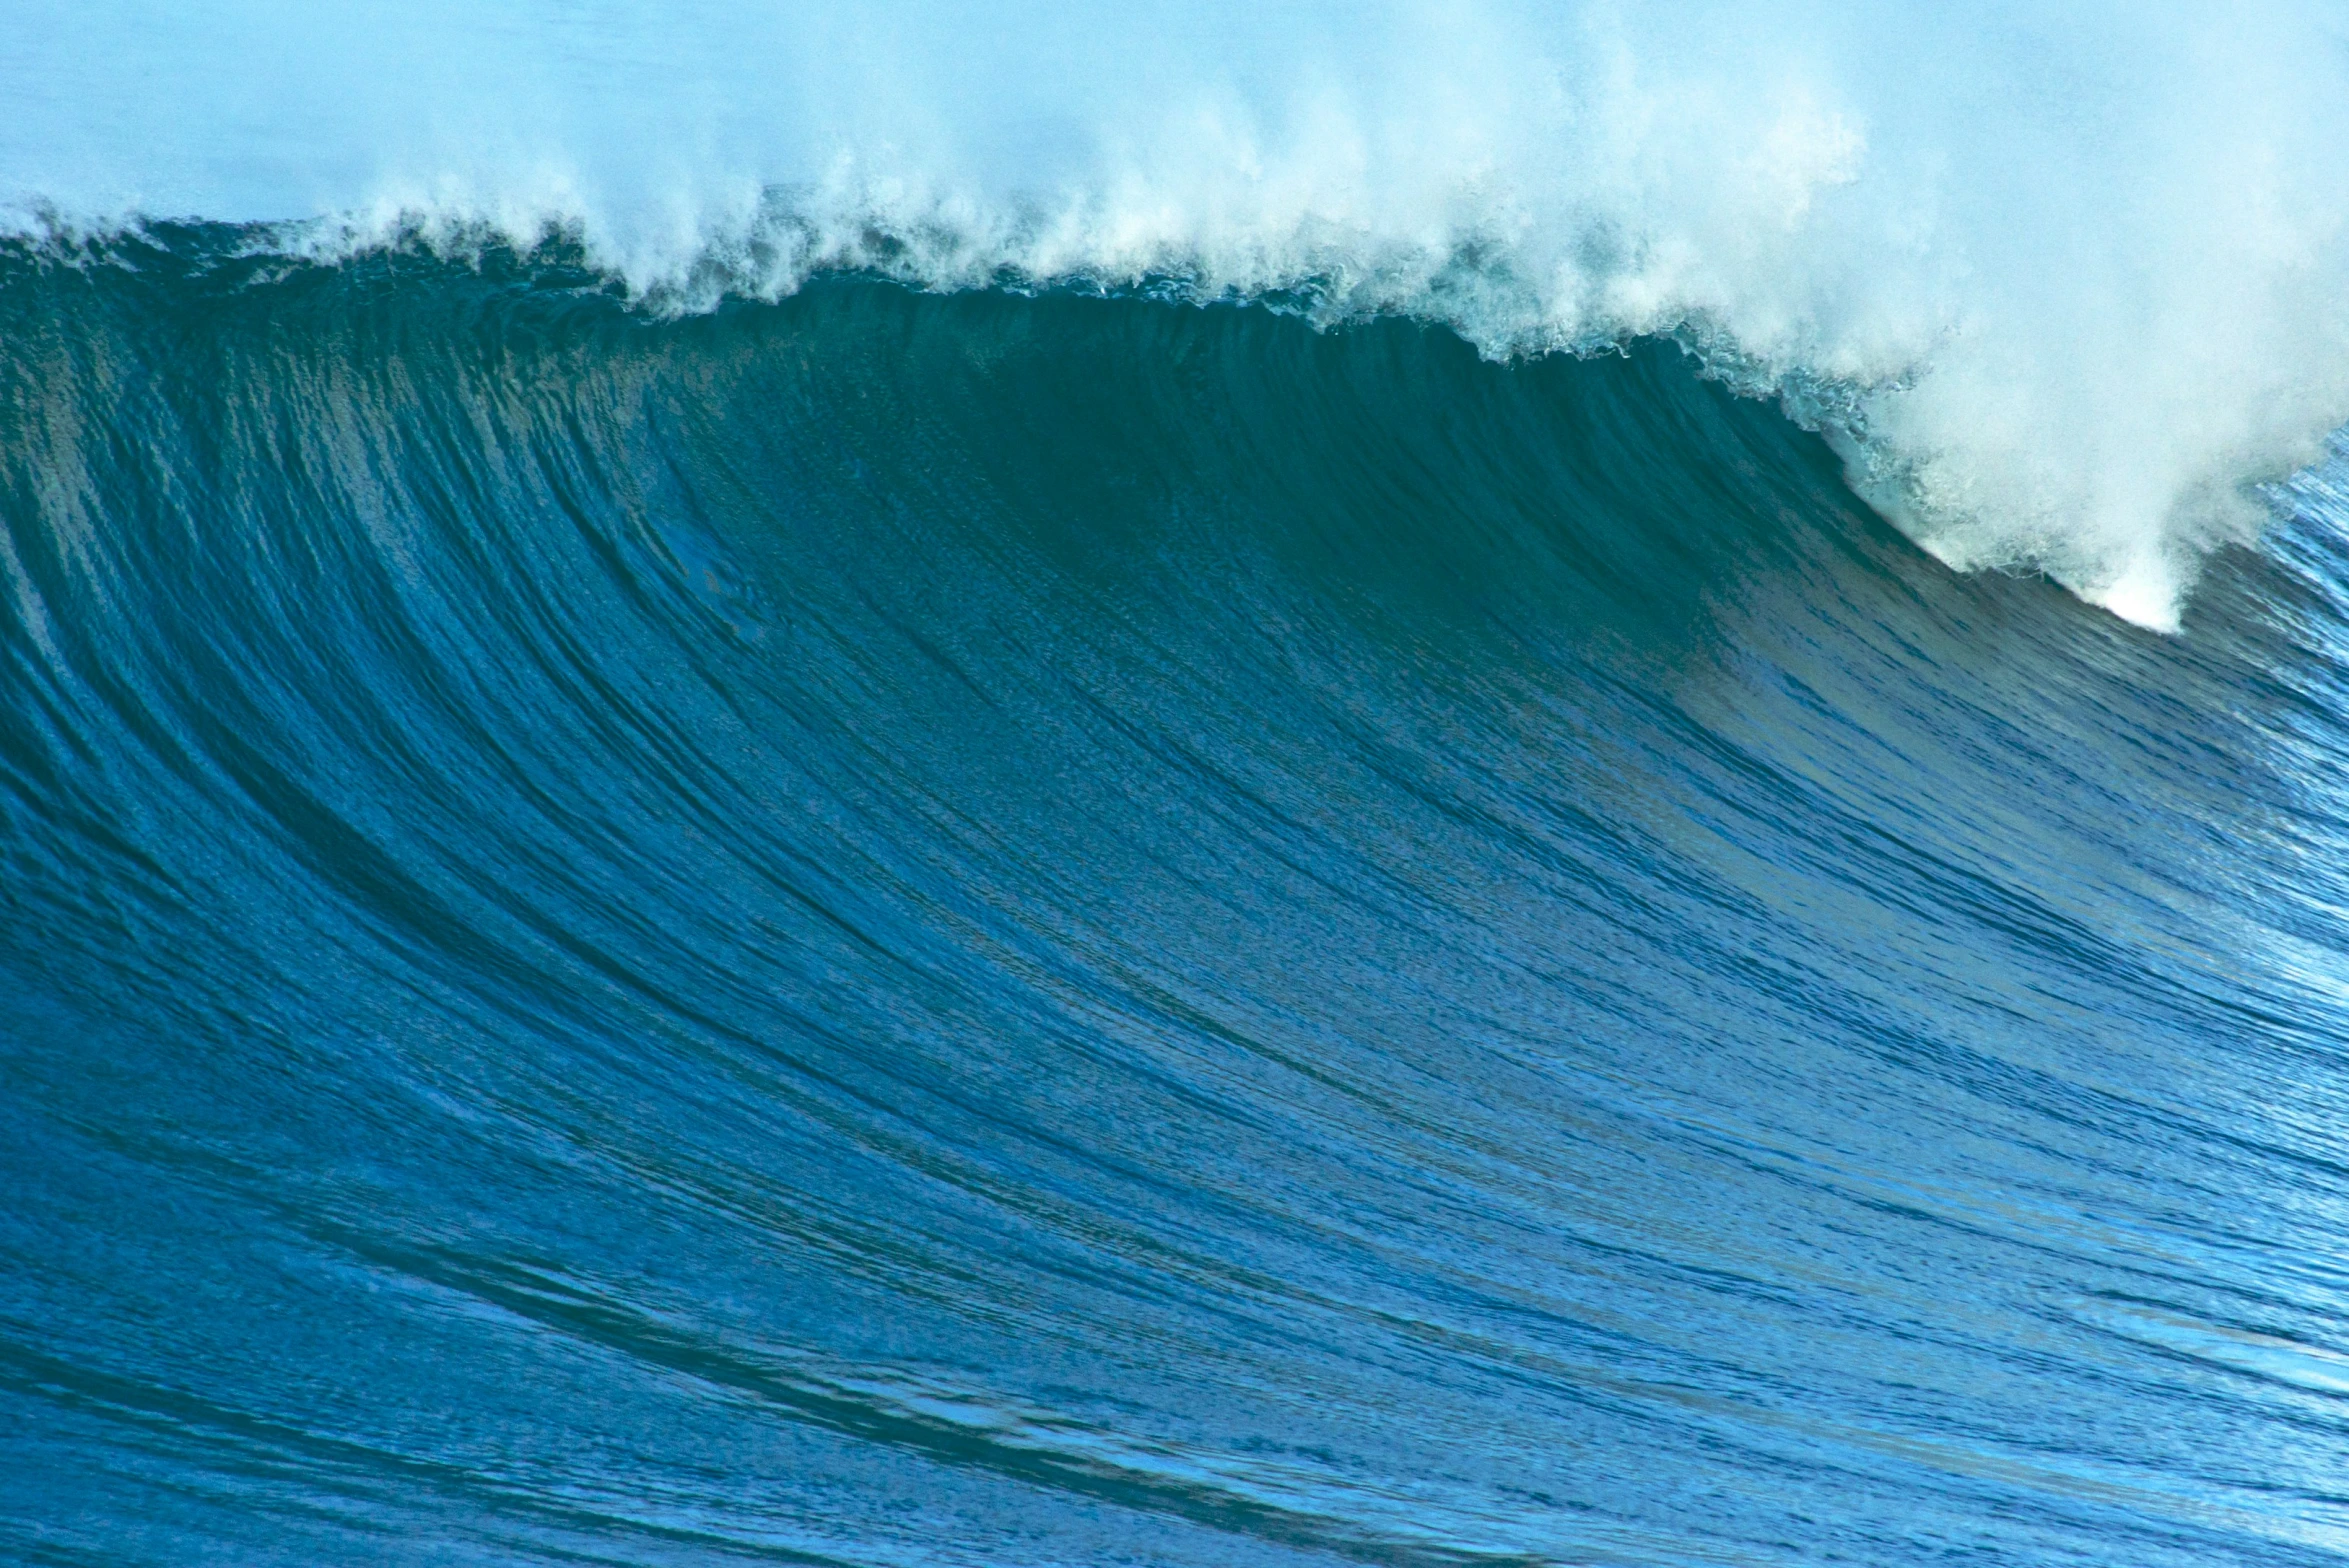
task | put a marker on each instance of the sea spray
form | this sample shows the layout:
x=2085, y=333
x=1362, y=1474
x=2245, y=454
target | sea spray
x=2079, y=272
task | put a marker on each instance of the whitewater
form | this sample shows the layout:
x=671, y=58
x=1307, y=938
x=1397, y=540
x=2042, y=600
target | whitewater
x=2067, y=282
x=1426, y=785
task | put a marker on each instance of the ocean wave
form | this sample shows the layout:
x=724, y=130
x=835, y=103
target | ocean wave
x=823, y=898
x=2065, y=283
x=1031, y=927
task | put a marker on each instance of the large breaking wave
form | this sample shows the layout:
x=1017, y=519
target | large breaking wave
x=2067, y=283
x=1042, y=927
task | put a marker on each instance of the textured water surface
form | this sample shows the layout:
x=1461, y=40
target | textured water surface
x=1034, y=928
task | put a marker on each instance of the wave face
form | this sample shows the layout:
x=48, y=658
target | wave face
x=1008, y=928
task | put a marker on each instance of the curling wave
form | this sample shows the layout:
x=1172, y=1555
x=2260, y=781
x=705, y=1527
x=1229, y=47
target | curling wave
x=2066, y=283
x=1041, y=927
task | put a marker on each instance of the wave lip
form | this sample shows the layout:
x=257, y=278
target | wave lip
x=2066, y=282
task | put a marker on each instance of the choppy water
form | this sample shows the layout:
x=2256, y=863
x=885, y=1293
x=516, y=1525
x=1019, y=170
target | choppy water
x=1039, y=928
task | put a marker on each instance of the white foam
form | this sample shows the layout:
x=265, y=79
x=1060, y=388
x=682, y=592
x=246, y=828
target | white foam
x=2065, y=280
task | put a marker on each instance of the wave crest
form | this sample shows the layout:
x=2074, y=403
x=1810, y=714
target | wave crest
x=2066, y=284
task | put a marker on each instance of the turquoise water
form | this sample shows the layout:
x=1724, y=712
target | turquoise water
x=1052, y=926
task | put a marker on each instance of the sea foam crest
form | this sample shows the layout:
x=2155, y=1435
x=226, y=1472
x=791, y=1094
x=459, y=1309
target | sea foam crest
x=2063, y=282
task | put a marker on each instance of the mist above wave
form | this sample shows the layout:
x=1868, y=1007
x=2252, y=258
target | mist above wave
x=2064, y=283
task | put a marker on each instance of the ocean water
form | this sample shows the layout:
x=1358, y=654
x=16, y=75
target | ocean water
x=904, y=787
